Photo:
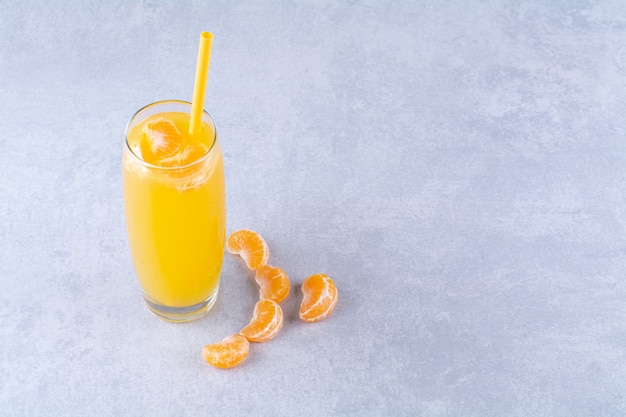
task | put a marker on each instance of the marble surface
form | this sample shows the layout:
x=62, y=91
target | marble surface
x=459, y=169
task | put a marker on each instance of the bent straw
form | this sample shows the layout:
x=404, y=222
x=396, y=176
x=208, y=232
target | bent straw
x=199, y=87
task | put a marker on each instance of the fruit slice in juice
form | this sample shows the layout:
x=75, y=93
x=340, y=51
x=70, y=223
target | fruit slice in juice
x=162, y=139
x=166, y=142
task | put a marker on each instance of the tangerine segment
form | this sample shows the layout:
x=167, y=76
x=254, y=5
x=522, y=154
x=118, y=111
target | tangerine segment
x=266, y=322
x=250, y=246
x=273, y=282
x=162, y=140
x=320, y=298
x=228, y=353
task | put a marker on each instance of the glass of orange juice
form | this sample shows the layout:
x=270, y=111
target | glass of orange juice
x=174, y=198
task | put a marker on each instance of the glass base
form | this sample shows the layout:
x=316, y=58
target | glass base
x=181, y=314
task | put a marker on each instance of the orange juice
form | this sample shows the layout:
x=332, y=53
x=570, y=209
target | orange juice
x=174, y=199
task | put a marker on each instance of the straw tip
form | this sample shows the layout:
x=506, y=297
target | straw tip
x=206, y=35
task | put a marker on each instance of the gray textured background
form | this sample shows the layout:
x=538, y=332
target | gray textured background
x=459, y=169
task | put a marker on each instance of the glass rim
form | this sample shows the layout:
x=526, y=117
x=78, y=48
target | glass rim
x=169, y=168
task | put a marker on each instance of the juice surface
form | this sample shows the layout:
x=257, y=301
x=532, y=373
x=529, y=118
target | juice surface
x=175, y=209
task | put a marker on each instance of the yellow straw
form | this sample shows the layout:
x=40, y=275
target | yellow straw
x=199, y=87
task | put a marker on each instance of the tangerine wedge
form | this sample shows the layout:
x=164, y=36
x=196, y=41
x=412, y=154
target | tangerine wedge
x=273, y=282
x=162, y=140
x=320, y=298
x=250, y=246
x=266, y=322
x=228, y=353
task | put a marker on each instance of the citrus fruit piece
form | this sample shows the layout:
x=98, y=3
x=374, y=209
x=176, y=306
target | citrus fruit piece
x=184, y=156
x=266, y=322
x=250, y=246
x=228, y=353
x=273, y=282
x=320, y=298
x=162, y=139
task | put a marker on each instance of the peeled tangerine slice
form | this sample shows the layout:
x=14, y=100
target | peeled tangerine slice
x=250, y=246
x=162, y=139
x=184, y=156
x=228, y=353
x=320, y=298
x=266, y=322
x=273, y=282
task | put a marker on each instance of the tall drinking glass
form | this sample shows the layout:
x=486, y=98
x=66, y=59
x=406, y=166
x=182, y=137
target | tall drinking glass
x=174, y=198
